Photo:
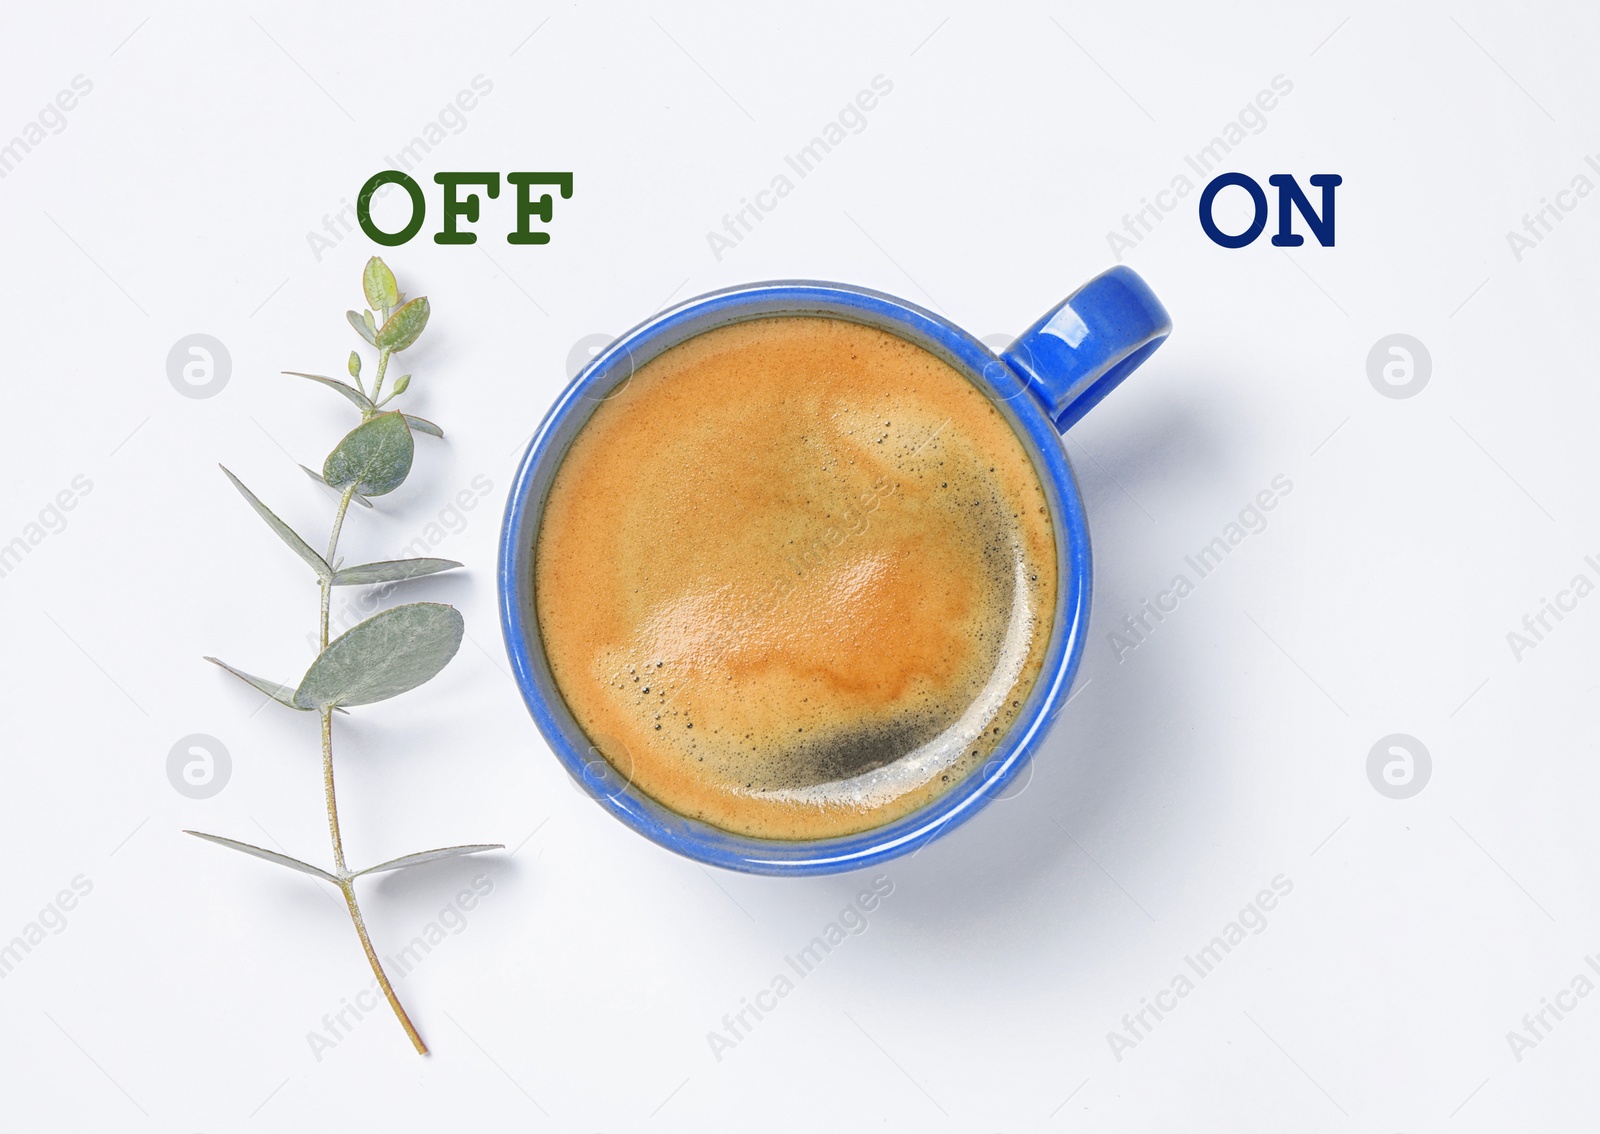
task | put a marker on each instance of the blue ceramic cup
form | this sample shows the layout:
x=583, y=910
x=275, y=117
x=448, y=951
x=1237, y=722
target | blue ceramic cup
x=1044, y=382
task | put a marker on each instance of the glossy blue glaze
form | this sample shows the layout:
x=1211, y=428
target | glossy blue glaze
x=1043, y=382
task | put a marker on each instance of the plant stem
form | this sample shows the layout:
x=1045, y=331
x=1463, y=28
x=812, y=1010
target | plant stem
x=377, y=970
x=347, y=886
x=377, y=385
x=346, y=883
x=327, y=791
x=333, y=547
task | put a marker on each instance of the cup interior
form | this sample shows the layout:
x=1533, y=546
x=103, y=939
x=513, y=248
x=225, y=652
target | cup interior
x=607, y=374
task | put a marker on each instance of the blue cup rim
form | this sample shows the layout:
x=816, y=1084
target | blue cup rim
x=605, y=374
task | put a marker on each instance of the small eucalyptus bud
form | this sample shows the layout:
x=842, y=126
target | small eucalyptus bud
x=400, y=386
x=355, y=365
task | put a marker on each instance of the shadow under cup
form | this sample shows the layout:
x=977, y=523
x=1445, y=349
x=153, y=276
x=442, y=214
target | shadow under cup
x=1028, y=391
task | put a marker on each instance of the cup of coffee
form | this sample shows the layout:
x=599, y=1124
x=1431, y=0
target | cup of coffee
x=794, y=577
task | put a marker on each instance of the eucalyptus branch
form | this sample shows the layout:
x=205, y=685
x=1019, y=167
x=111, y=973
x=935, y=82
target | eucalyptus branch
x=396, y=649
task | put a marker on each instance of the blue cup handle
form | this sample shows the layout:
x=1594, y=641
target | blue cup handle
x=1088, y=343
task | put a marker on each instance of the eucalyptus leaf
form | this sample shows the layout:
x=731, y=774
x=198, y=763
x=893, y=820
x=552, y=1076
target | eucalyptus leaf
x=391, y=571
x=402, y=328
x=402, y=385
x=316, y=476
x=390, y=653
x=283, y=694
x=270, y=856
x=377, y=281
x=374, y=457
x=357, y=398
x=285, y=532
x=422, y=425
x=427, y=856
x=363, y=327
x=354, y=366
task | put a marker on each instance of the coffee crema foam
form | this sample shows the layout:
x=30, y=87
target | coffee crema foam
x=796, y=578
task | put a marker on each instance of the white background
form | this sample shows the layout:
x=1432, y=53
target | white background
x=1229, y=748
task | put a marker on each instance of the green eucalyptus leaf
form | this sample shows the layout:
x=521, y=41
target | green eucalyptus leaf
x=285, y=532
x=283, y=694
x=422, y=425
x=391, y=571
x=357, y=497
x=390, y=653
x=401, y=386
x=270, y=856
x=427, y=856
x=354, y=366
x=403, y=327
x=374, y=457
x=377, y=281
x=357, y=398
x=363, y=327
